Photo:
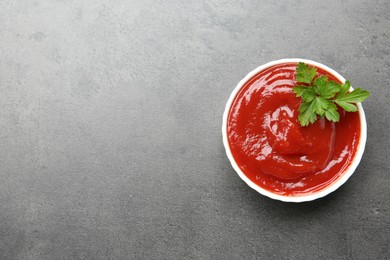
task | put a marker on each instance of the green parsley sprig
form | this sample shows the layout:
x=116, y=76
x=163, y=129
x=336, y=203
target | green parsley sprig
x=320, y=96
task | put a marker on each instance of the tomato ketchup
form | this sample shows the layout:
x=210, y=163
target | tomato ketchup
x=270, y=146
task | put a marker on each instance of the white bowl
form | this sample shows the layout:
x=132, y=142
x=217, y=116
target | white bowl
x=301, y=198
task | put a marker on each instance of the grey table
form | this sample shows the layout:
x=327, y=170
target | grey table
x=110, y=129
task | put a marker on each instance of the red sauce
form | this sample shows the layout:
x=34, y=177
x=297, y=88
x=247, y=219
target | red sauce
x=270, y=146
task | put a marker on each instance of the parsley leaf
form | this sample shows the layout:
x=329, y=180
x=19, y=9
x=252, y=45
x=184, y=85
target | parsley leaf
x=347, y=100
x=306, y=114
x=326, y=89
x=347, y=106
x=331, y=114
x=357, y=95
x=344, y=88
x=320, y=96
x=320, y=105
x=299, y=90
x=307, y=94
x=304, y=74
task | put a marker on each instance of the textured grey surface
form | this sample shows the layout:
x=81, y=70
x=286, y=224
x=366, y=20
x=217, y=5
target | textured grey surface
x=110, y=117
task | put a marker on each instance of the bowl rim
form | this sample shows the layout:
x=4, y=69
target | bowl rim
x=302, y=198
